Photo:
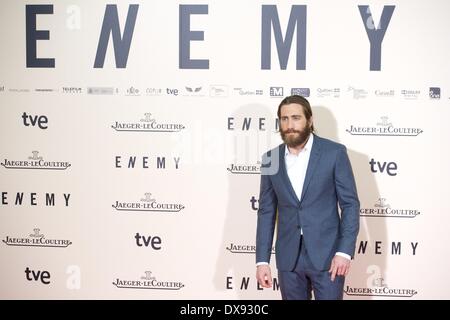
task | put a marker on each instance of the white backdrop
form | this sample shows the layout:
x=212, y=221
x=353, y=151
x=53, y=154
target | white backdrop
x=79, y=220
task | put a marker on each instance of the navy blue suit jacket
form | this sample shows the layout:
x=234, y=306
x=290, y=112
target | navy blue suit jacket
x=329, y=182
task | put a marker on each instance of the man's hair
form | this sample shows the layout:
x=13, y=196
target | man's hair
x=298, y=100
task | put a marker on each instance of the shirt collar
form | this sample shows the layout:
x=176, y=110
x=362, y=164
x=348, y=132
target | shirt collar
x=306, y=148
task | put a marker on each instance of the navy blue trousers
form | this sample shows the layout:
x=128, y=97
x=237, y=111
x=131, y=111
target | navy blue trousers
x=304, y=279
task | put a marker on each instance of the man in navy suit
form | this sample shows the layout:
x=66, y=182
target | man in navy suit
x=303, y=181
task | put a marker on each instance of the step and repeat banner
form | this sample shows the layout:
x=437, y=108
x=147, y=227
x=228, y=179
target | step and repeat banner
x=132, y=133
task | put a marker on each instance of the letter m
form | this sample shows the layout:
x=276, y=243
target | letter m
x=297, y=20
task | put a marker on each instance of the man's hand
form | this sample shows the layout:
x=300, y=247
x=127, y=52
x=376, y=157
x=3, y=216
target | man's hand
x=339, y=266
x=264, y=276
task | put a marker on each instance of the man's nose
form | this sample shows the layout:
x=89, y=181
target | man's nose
x=290, y=124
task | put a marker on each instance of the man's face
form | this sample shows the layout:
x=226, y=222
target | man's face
x=294, y=128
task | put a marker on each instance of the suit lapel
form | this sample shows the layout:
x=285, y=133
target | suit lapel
x=284, y=175
x=312, y=164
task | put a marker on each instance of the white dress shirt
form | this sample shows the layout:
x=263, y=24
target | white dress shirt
x=296, y=166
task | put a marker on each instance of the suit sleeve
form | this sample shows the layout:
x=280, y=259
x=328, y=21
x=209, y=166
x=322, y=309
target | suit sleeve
x=348, y=202
x=266, y=216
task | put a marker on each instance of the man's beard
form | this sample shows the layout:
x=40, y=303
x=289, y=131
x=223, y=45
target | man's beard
x=298, y=139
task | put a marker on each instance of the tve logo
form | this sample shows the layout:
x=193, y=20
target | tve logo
x=43, y=276
x=171, y=92
x=389, y=167
x=40, y=121
x=153, y=241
